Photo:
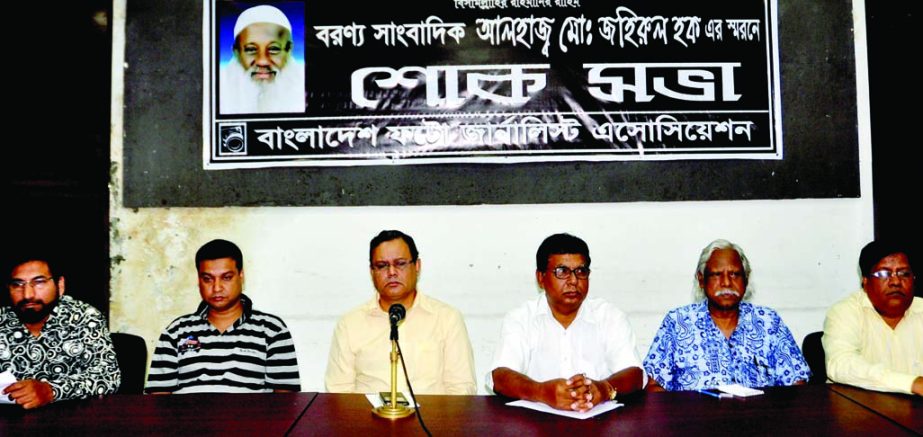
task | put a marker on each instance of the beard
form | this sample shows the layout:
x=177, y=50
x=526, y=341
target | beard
x=242, y=93
x=34, y=314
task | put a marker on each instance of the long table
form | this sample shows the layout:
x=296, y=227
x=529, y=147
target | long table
x=806, y=410
x=904, y=410
x=786, y=411
x=167, y=415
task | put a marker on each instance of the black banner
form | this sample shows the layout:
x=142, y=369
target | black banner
x=489, y=81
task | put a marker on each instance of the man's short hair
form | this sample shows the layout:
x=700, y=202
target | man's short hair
x=389, y=235
x=559, y=244
x=719, y=244
x=13, y=260
x=217, y=249
x=877, y=250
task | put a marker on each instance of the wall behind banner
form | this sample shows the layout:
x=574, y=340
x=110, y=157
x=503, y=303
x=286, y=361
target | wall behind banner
x=309, y=265
x=163, y=137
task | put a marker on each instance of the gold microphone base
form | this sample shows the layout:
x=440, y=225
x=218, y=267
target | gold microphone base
x=388, y=412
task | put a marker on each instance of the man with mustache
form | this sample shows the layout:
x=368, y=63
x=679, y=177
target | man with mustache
x=226, y=346
x=563, y=349
x=874, y=337
x=57, y=347
x=433, y=338
x=720, y=339
x=263, y=76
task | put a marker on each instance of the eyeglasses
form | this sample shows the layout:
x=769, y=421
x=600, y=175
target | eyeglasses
x=37, y=283
x=400, y=264
x=886, y=274
x=732, y=275
x=562, y=272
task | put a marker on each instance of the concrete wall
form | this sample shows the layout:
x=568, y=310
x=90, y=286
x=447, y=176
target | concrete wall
x=309, y=265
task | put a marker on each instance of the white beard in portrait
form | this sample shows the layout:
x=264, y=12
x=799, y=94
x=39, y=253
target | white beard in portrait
x=241, y=93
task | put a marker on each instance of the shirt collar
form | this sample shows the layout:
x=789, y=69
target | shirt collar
x=420, y=301
x=202, y=310
x=58, y=307
x=544, y=309
x=744, y=308
x=916, y=306
x=53, y=317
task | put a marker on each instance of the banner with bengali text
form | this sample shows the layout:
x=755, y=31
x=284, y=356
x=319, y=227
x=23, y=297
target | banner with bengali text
x=489, y=81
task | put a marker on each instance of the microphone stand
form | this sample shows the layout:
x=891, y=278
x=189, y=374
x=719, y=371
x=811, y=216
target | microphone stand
x=393, y=410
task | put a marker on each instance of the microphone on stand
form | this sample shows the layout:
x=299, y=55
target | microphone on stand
x=392, y=410
x=396, y=313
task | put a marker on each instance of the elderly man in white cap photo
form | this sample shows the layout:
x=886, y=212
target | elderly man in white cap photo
x=263, y=76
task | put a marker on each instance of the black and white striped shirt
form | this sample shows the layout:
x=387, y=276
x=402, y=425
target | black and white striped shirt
x=255, y=354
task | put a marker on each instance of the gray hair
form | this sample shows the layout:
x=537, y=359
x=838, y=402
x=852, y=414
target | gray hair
x=697, y=290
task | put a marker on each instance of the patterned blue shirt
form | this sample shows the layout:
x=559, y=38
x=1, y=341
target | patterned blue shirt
x=689, y=352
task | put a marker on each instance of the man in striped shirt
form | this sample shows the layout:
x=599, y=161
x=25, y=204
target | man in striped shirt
x=226, y=345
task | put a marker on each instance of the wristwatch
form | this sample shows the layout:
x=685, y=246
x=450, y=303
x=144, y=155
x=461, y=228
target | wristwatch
x=613, y=392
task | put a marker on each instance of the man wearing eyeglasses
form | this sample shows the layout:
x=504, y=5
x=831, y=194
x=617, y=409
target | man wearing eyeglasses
x=721, y=339
x=874, y=338
x=57, y=347
x=433, y=338
x=563, y=349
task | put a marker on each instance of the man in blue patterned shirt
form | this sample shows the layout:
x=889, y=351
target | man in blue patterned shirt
x=720, y=339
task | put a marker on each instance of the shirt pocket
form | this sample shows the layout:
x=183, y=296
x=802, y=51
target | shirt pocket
x=754, y=370
x=428, y=361
x=593, y=362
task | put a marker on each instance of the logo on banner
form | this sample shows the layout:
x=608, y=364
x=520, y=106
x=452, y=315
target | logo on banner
x=233, y=139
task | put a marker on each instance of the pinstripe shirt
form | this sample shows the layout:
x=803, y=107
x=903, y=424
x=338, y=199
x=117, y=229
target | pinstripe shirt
x=255, y=355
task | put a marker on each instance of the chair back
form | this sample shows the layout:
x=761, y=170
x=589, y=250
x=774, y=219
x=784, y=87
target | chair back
x=813, y=351
x=131, y=352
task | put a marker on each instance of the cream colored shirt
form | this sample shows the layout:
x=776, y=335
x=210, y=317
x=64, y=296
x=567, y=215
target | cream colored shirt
x=862, y=350
x=433, y=339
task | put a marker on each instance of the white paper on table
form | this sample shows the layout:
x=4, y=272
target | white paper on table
x=595, y=411
x=375, y=400
x=6, y=378
x=739, y=390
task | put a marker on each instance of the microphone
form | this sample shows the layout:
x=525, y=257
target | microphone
x=396, y=313
x=391, y=409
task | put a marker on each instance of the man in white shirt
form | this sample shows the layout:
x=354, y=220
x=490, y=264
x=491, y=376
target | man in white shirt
x=563, y=349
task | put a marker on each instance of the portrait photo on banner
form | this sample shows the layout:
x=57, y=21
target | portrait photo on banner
x=260, y=57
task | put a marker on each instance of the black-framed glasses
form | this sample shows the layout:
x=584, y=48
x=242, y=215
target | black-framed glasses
x=886, y=274
x=563, y=272
x=37, y=282
x=400, y=264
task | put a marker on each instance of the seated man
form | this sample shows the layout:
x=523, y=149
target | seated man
x=226, y=345
x=433, y=337
x=57, y=347
x=721, y=340
x=874, y=338
x=563, y=349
